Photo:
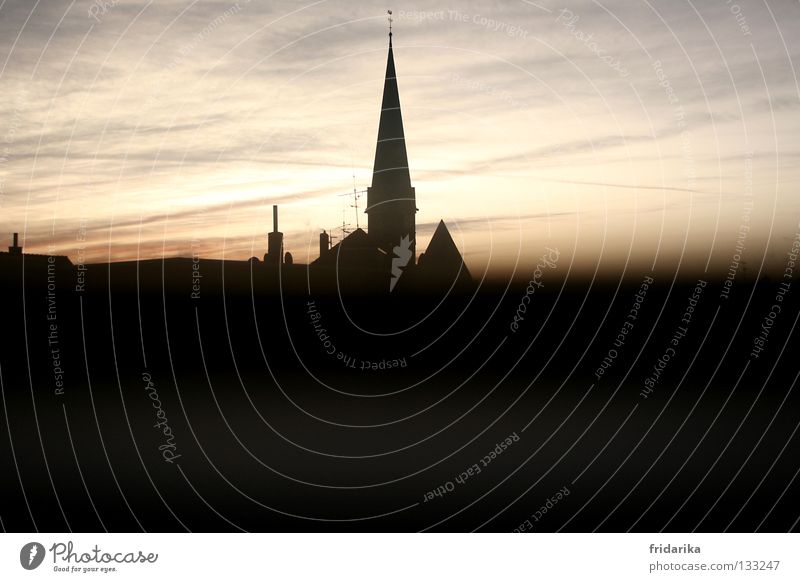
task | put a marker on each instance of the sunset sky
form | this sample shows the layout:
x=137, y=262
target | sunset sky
x=640, y=133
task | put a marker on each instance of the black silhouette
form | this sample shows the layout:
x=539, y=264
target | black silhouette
x=391, y=200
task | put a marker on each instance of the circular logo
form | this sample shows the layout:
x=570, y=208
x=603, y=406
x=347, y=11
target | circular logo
x=31, y=555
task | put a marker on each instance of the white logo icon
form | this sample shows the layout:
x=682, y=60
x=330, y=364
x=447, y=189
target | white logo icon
x=402, y=254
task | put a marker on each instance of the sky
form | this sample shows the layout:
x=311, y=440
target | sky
x=637, y=135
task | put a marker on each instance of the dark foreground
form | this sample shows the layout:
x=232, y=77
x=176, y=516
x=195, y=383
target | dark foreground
x=132, y=405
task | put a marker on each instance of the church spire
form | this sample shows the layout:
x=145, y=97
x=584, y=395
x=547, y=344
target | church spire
x=391, y=159
x=391, y=203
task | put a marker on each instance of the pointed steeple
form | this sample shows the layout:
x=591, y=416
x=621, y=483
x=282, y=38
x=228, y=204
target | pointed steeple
x=391, y=159
x=391, y=200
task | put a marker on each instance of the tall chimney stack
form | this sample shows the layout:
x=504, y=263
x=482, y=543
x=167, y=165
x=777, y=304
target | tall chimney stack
x=275, y=241
x=15, y=249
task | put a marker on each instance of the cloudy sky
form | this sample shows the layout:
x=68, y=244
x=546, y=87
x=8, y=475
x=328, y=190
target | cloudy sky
x=638, y=134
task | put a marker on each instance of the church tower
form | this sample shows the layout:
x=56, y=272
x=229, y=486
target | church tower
x=391, y=201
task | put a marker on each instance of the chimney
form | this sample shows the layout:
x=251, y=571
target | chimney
x=324, y=243
x=275, y=241
x=15, y=249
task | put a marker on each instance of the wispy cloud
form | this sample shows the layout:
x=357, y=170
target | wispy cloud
x=137, y=117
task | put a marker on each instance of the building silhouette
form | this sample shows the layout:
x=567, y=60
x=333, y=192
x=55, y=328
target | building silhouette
x=391, y=200
x=442, y=262
x=15, y=258
x=381, y=258
x=388, y=247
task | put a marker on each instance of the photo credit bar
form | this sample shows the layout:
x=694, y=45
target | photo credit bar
x=369, y=557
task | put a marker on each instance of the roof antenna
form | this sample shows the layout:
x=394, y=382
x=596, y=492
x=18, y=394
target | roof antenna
x=355, y=194
x=390, y=26
x=345, y=225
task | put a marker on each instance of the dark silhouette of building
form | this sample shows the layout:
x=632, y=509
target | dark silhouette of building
x=366, y=261
x=31, y=262
x=389, y=245
x=20, y=271
x=358, y=251
x=442, y=261
x=391, y=200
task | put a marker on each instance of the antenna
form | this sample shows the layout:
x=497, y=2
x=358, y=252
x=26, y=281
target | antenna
x=331, y=238
x=345, y=224
x=356, y=194
x=390, y=22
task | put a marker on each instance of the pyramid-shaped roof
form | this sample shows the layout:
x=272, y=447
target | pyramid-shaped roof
x=442, y=257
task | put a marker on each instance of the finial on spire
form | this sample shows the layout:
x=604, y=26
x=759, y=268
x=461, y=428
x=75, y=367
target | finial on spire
x=390, y=25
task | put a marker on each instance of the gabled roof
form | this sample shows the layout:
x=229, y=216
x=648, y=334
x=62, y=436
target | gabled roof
x=356, y=250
